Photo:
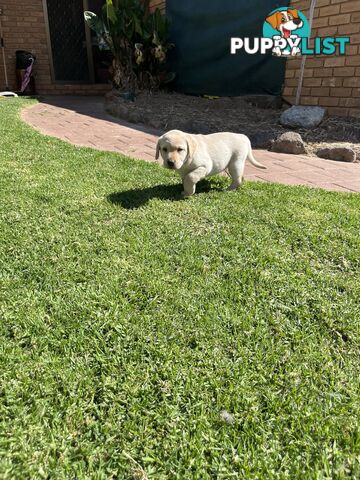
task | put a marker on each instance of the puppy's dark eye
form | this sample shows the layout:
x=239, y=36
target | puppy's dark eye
x=283, y=20
x=165, y=149
x=180, y=149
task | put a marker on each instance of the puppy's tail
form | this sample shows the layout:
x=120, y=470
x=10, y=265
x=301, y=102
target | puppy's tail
x=252, y=160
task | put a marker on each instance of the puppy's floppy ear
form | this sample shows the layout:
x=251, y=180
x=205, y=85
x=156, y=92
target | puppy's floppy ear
x=191, y=144
x=294, y=12
x=158, y=149
x=273, y=20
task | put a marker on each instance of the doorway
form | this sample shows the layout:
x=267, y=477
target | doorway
x=75, y=56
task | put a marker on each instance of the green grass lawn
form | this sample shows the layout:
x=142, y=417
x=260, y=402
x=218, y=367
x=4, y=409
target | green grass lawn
x=130, y=320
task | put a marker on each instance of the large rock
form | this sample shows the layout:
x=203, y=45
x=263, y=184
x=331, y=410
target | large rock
x=304, y=117
x=341, y=154
x=289, y=142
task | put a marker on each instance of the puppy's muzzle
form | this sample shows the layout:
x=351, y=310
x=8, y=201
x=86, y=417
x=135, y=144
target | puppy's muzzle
x=170, y=164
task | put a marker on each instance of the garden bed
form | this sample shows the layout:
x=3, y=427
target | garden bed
x=166, y=111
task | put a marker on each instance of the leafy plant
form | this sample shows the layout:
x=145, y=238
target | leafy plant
x=138, y=41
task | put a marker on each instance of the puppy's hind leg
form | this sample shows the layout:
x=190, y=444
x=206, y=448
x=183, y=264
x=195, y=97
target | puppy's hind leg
x=236, y=170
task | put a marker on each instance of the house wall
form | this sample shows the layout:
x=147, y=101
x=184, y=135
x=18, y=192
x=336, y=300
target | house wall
x=24, y=29
x=332, y=82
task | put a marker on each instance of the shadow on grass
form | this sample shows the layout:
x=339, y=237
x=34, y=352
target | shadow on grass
x=137, y=197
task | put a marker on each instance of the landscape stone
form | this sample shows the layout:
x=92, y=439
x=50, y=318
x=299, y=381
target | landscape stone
x=304, y=117
x=341, y=154
x=289, y=142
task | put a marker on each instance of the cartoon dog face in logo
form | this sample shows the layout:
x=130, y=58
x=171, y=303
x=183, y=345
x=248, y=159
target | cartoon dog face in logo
x=285, y=21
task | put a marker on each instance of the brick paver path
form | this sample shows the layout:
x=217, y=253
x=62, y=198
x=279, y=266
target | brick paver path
x=83, y=121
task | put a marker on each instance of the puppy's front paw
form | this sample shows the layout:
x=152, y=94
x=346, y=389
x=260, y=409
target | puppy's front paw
x=233, y=187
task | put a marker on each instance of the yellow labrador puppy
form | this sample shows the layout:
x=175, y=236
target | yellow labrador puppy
x=198, y=156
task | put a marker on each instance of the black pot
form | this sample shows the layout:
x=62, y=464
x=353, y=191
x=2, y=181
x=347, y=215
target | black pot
x=24, y=59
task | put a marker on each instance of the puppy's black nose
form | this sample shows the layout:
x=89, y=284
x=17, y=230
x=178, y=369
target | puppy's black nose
x=170, y=163
x=297, y=21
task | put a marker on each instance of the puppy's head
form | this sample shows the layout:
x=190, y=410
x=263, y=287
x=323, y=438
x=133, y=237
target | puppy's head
x=175, y=148
x=285, y=21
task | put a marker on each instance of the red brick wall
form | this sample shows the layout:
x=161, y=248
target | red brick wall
x=332, y=82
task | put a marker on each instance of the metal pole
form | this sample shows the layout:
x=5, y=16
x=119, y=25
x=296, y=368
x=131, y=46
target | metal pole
x=303, y=59
x=3, y=52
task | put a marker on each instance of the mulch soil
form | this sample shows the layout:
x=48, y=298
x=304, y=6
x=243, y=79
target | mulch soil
x=166, y=111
